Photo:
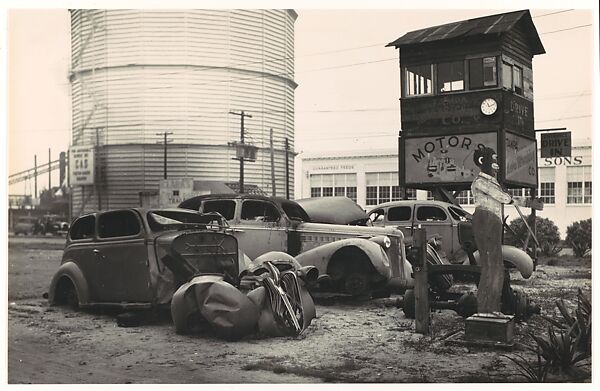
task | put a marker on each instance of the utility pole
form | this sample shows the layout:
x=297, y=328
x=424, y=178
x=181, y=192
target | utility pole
x=273, y=190
x=99, y=170
x=49, y=170
x=165, y=142
x=241, y=158
x=35, y=176
x=287, y=168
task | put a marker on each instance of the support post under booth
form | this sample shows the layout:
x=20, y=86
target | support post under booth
x=421, y=282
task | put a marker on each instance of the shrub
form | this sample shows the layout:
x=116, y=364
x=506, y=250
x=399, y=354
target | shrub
x=579, y=237
x=546, y=232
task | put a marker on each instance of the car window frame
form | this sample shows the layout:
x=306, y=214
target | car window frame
x=140, y=234
x=419, y=206
x=410, y=218
x=84, y=240
x=271, y=204
x=235, y=207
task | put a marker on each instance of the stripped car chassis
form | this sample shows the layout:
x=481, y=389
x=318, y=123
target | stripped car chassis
x=514, y=302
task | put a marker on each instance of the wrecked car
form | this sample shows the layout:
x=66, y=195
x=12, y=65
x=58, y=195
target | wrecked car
x=450, y=231
x=449, y=224
x=355, y=259
x=137, y=258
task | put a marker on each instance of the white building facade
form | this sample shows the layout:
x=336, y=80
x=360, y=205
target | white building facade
x=371, y=178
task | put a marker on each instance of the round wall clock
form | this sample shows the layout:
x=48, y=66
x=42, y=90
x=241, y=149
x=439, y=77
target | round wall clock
x=489, y=106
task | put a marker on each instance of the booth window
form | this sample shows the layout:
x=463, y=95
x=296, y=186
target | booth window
x=518, y=80
x=512, y=78
x=482, y=73
x=418, y=80
x=450, y=76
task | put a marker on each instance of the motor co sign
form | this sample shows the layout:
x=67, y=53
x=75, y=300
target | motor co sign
x=81, y=165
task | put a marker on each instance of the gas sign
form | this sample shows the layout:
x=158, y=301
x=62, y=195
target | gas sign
x=81, y=165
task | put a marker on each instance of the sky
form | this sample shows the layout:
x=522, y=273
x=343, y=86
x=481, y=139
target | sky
x=348, y=81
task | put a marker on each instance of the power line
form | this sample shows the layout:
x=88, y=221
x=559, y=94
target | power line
x=564, y=118
x=566, y=29
x=552, y=13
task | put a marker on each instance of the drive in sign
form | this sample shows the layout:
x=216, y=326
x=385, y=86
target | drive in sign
x=81, y=165
x=556, y=144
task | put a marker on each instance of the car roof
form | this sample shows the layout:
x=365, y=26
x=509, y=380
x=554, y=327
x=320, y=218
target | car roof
x=141, y=211
x=194, y=202
x=411, y=202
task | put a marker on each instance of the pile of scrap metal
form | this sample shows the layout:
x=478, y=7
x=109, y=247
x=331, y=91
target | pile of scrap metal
x=272, y=300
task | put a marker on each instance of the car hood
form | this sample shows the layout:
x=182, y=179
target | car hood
x=334, y=210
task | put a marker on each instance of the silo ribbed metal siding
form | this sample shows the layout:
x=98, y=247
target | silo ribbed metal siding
x=139, y=72
x=128, y=169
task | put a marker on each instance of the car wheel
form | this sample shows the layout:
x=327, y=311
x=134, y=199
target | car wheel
x=408, y=304
x=66, y=294
x=356, y=284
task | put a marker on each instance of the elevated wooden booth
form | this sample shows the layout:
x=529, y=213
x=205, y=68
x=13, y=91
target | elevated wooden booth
x=466, y=84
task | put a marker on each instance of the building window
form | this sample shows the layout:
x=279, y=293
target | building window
x=329, y=185
x=418, y=80
x=450, y=76
x=546, y=187
x=465, y=197
x=482, y=73
x=372, y=195
x=579, y=185
x=396, y=193
x=429, y=195
x=587, y=192
x=547, y=192
x=411, y=194
x=380, y=187
x=516, y=192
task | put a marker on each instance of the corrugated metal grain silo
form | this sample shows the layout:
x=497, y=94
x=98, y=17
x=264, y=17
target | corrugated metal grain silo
x=136, y=73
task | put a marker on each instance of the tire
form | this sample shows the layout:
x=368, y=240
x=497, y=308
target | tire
x=66, y=294
x=408, y=304
x=356, y=284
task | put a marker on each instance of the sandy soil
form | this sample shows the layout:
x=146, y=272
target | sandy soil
x=368, y=341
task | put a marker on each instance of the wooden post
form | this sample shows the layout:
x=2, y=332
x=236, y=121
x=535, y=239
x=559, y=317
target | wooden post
x=421, y=282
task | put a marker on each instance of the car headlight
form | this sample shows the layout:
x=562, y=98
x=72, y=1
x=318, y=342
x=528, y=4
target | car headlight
x=383, y=241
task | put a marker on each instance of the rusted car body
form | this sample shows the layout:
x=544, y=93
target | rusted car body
x=357, y=259
x=444, y=221
x=137, y=258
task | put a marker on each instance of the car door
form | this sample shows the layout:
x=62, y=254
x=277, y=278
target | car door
x=400, y=217
x=261, y=228
x=81, y=243
x=436, y=221
x=122, y=253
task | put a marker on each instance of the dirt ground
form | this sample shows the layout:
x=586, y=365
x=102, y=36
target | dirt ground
x=352, y=342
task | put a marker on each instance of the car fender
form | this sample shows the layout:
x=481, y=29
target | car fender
x=70, y=270
x=320, y=256
x=516, y=257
